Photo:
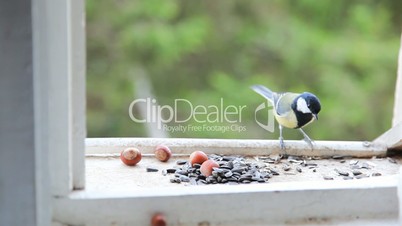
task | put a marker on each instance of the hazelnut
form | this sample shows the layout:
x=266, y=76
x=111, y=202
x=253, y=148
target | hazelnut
x=198, y=157
x=163, y=153
x=158, y=220
x=207, y=167
x=130, y=156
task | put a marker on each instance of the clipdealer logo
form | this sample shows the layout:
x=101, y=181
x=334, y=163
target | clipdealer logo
x=268, y=109
x=206, y=117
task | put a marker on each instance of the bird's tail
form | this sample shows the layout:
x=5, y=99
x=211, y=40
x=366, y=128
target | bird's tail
x=264, y=91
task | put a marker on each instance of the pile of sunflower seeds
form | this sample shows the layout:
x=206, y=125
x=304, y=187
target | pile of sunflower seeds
x=239, y=170
x=231, y=170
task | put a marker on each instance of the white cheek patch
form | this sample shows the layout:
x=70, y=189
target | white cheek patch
x=302, y=106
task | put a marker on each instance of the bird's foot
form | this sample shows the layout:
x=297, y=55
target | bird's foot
x=281, y=143
x=307, y=139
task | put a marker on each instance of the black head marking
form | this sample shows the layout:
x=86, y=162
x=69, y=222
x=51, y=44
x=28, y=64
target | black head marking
x=306, y=115
x=313, y=103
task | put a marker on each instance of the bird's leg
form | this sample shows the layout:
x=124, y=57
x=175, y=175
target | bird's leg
x=306, y=138
x=281, y=144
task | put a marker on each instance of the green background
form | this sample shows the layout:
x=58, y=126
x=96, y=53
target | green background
x=345, y=52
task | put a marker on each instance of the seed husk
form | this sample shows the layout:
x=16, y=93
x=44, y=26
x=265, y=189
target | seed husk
x=376, y=174
x=356, y=172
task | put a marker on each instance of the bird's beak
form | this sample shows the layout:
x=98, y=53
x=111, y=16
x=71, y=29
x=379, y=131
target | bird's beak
x=315, y=116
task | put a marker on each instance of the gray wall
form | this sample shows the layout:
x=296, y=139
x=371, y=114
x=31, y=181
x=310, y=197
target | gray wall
x=17, y=153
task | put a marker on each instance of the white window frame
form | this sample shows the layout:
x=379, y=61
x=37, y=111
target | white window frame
x=59, y=46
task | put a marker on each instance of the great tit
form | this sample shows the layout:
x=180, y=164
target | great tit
x=292, y=110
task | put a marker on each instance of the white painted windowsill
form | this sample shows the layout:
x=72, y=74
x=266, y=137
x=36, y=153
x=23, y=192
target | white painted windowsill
x=371, y=201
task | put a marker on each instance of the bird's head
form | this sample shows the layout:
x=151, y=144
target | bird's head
x=308, y=103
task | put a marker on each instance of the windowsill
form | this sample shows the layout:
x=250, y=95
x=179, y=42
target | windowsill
x=107, y=173
x=114, y=191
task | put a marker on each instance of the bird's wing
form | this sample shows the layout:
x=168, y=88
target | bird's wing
x=283, y=102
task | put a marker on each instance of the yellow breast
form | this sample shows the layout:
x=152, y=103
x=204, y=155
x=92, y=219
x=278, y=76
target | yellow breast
x=287, y=120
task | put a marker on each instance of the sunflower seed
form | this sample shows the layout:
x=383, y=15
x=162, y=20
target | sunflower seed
x=175, y=180
x=353, y=162
x=372, y=164
x=151, y=169
x=211, y=179
x=197, y=166
x=181, y=162
x=217, y=170
x=238, y=170
x=365, y=165
x=328, y=178
x=247, y=176
x=202, y=182
x=356, y=172
x=338, y=157
x=311, y=164
x=391, y=160
x=274, y=172
x=286, y=167
x=355, y=167
x=170, y=170
x=184, y=178
x=228, y=158
x=181, y=172
x=361, y=176
x=229, y=174
x=342, y=173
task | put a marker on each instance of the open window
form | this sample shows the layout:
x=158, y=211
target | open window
x=61, y=40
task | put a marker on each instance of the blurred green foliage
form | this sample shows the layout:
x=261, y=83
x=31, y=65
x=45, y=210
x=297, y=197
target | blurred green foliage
x=343, y=51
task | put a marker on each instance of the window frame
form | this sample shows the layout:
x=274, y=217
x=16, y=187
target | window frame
x=59, y=46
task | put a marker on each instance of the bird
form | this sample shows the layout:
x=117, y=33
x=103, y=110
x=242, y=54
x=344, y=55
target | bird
x=292, y=110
